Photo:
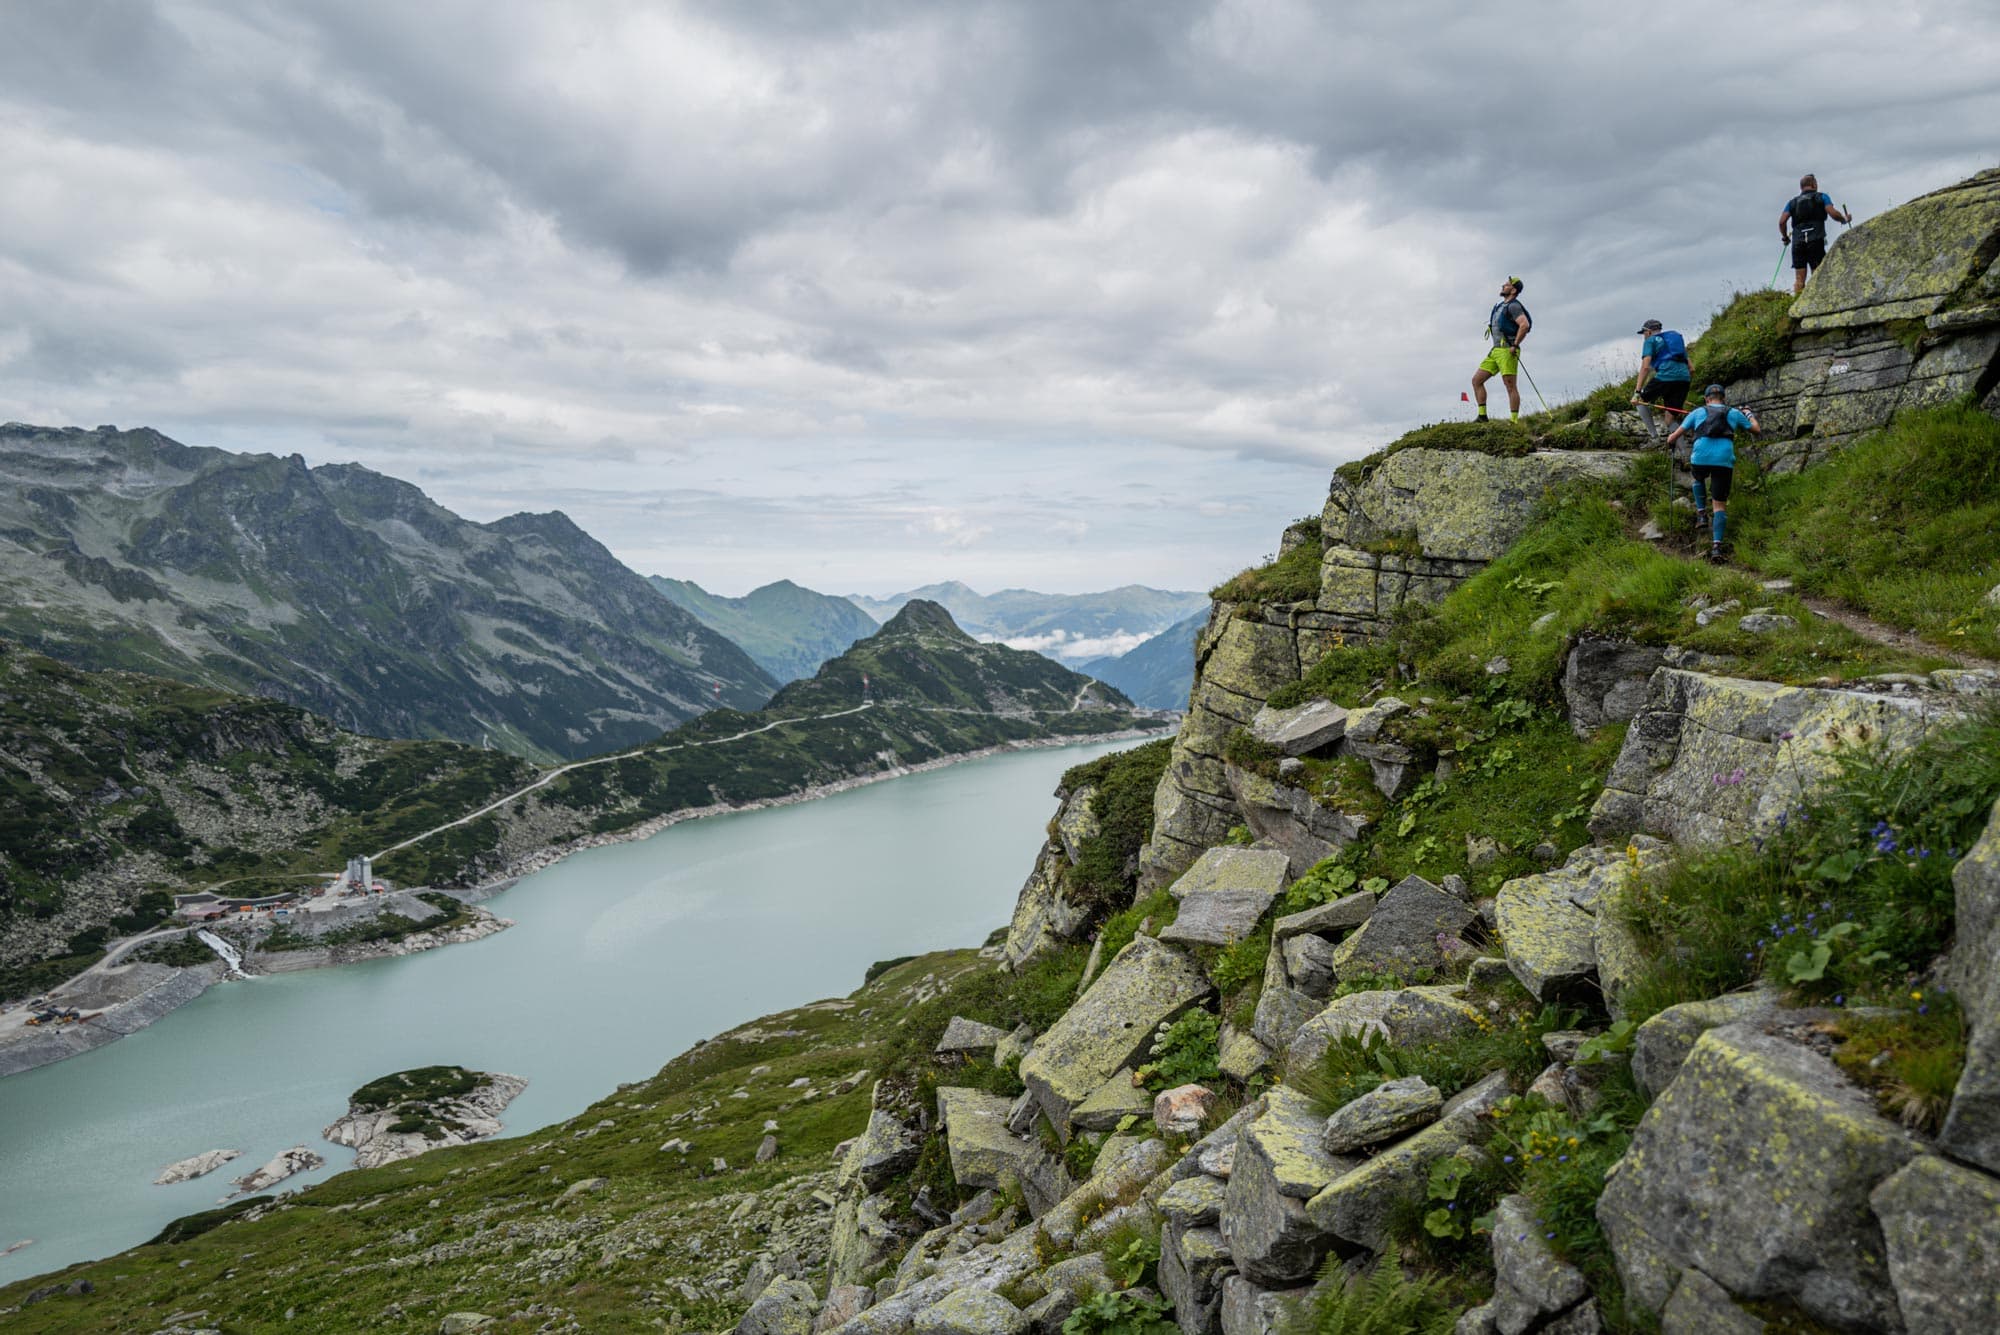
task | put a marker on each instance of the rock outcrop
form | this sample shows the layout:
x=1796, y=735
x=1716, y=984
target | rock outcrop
x=383, y=1133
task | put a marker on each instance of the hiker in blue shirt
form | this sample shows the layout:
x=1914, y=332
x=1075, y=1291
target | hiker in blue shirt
x=1663, y=373
x=1802, y=226
x=1713, y=428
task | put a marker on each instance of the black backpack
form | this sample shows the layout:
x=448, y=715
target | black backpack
x=1808, y=217
x=1715, y=424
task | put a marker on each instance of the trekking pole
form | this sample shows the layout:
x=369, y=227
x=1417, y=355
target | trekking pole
x=1531, y=380
x=1782, y=248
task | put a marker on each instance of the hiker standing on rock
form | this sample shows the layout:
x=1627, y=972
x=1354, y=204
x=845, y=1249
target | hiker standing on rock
x=1802, y=226
x=1713, y=428
x=1663, y=373
x=1507, y=324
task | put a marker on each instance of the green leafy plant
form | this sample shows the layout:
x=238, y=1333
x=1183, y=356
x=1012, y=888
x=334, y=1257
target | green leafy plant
x=1186, y=1054
x=1613, y=1042
x=1131, y=1259
x=1121, y=1313
x=1385, y=1301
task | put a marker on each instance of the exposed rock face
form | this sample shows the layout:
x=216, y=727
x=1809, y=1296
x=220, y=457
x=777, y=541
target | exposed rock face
x=458, y=1120
x=1972, y=1127
x=1604, y=681
x=1279, y=1166
x=1710, y=759
x=1288, y=818
x=985, y=1154
x=1401, y=935
x=1110, y=1026
x=1755, y=1165
x=201, y=1165
x=1403, y=1016
x=786, y=1307
x=1557, y=925
x=1392, y=1109
x=1301, y=730
x=284, y=1164
x=1942, y=1224
x=882, y=1152
x=1462, y=509
x=1043, y=916
x=1905, y=313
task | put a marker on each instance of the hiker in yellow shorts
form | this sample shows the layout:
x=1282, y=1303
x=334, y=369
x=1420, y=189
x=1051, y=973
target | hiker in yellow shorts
x=1508, y=324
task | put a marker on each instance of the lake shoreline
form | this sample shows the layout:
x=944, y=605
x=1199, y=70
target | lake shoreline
x=182, y=985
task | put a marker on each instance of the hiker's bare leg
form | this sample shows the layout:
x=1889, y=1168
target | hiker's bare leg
x=1479, y=379
x=1513, y=394
x=1798, y=280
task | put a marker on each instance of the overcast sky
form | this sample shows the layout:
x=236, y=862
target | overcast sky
x=866, y=294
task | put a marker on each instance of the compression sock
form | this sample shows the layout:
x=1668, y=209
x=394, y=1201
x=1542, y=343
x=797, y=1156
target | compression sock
x=1716, y=526
x=1514, y=416
x=1700, y=497
x=1481, y=414
x=1646, y=416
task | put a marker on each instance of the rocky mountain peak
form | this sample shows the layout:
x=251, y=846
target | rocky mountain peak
x=920, y=616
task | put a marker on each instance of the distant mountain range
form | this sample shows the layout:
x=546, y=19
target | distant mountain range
x=1159, y=674
x=1071, y=626
x=345, y=592
x=788, y=630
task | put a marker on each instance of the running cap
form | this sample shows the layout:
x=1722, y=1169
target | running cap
x=1515, y=283
x=1714, y=392
x=1649, y=327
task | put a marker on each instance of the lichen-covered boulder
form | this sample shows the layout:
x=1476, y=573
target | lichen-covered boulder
x=1193, y=1264
x=968, y=1038
x=1972, y=1126
x=1281, y=1008
x=1329, y=919
x=1662, y=1043
x=1393, y=1108
x=971, y=1311
x=1113, y=1101
x=1530, y=1282
x=786, y=1307
x=1301, y=730
x=1043, y=916
x=1405, y=1016
x=985, y=1154
x=1402, y=934
x=1942, y=1224
x=1755, y=1165
x=863, y=1238
x=1700, y=1306
x=1357, y=1206
x=1604, y=681
x=1224, y=893
x=1309, y=964
x=1240, y=1056
x=1077, y=824
x=1248, y=1309
x=1110, y=1026
x=1279, y=1166
x=884, y=1151
x=1288, y=818
x=1551, y=943
x=1713, y=760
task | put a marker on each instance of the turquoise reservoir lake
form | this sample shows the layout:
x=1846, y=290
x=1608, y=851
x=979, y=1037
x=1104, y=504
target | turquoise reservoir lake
x=621, y=958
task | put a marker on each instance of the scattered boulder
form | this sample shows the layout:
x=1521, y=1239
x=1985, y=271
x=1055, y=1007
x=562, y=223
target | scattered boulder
x=1225, y=893
x=1407, y=1015
x=971, y=1311
x=1662, y=1043
x=985, y=1154
x=1193, y=1264
x=1250, y=1310
x=862, y=1240
x=767, y=1149
x=1110, y=1026
x=1530, y=1282
x=1328, y=919
x=1113, y=1101
x=1180, y=1111
x=1240, y=1055
x=884, y=1151
x=284, y=1164
x=1755, y=1165
x=843, y=1303
x=1763, y=623
x=1401, y=935
x=1279, y=1166
x=1281, y=1008
x=786, y=1307
x=1972, y=1126
x=1309, y=965
x=464, y=1323
x=1700, y=1306
x=969, y=1038
x=1942, y=1224
x=1604, y=681
x=1391, y=1109
x=1356, y=1206
x=1193, y=1202
x=1303, y=730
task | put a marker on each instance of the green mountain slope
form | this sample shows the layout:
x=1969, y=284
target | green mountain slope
x=119, y=786
x=345, y=592
x=789, y=630
x=1159, y=673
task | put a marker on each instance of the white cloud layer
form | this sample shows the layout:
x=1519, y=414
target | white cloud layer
x=1022, y=293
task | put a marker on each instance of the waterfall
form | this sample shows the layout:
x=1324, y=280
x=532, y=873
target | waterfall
x=224, y=949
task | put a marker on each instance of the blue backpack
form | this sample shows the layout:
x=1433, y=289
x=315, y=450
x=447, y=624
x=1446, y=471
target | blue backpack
x=1673, y=348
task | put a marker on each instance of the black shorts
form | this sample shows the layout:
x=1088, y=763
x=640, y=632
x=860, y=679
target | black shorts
x=1808, y=254
x=1673, y=393
x=1716, y=477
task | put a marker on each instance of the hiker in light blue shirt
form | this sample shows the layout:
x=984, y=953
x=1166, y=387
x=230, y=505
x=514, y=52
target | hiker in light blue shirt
x=1713, y=428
